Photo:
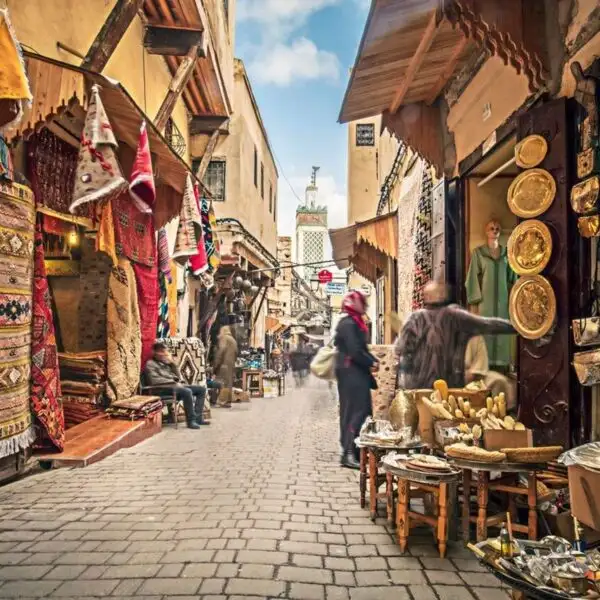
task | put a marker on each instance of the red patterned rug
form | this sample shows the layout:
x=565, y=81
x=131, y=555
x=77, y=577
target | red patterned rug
x=148, y=293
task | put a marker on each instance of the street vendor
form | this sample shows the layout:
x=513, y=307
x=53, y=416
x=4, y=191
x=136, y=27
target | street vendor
x=434, y=340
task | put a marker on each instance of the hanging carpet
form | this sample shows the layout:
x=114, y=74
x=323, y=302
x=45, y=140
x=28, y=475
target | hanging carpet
x=211, y=242
x=124, y=346
x=46, y=401
x=146, y=279
x=16, y=254
x=134, y=232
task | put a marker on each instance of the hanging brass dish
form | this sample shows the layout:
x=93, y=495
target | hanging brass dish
x=584, y=195
x=531, y=151
x=589, y=226
x=532, y=306
x=529, y=247
x=586, y=162
x=531, y=193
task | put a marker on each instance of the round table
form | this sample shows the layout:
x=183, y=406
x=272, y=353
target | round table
x=437, y=484
x=485, y=486
x=371, y=454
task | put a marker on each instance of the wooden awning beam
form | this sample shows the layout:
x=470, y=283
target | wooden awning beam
x=110, y=34
x=178, y=83
x=416, y=61
x=207, y=125
x=448, y=70
x=173, y=41
x=207, y=156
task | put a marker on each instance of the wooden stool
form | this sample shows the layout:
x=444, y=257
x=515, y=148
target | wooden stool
x=506, y=484
x=412, y=483
x=252, y=382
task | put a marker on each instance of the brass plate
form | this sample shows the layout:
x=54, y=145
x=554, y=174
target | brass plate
x=531, y=193
x=531, y=151
x=584, y=195
x=529, y=247
x=532, y=306
x=585, y=163
x=589, y=226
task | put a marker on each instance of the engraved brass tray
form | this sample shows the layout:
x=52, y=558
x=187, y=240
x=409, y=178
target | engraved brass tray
x=584, y=195
x=531, y=151
x=532, y=306
x=529, y=247
x=531, y=193
x=589, y=226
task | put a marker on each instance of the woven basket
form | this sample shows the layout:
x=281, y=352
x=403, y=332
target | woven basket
x=532, y=455
x=475, y=454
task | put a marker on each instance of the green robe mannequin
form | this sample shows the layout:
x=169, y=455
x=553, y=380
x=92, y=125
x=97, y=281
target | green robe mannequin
x=488, y=284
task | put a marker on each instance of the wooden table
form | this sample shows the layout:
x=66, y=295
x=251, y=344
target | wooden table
x=441, y=486
x=370, y=457
x=506, y=484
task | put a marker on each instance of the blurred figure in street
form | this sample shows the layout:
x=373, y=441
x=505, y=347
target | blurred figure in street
x=300, y=361
x=433, y=341
x=354, y=373
x=225, y=358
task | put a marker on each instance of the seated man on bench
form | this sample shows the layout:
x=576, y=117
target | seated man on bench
x=162, y=374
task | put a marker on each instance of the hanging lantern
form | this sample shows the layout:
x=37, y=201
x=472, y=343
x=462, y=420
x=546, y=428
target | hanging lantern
x=246, y=284
x=237, y=282
x=254, y=289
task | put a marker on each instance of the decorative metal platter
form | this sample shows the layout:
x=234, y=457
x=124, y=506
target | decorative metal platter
x=589, y=226
x=584, y=195
x=531, y=151
x=532, y=306
x=531, y=193
x=529, y=247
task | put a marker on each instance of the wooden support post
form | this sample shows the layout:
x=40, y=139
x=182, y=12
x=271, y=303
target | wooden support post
x=207, y=156
x=110, y=34
x=179, y=81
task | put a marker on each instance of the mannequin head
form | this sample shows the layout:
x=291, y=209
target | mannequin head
x=492, y=232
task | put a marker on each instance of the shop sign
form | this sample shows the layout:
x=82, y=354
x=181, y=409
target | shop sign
x=325, y=276
x=335, y=288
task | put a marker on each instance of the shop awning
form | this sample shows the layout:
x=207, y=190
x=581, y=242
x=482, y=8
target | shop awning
x=60, y=93
x=366, y=245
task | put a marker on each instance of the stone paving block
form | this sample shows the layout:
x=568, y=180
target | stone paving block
x=128, y=587
x=255, y=587
x=448, y=592
x=381, y=593
x=333, y=592
x=471, y=566
x=371, y=563
x=28, y=589
x=491, y=594
x=16, y=572
x=335, y=550
x=303, y=547
x=305, y=575
x=339, y=564
x=402, y=563
x=187, y=556
x=93, y=572
x=408, y=577
x=170, y=587
x=303, y=536
x=265, y=534
x=228, y=571
x=212, y=586
x=260, y=544
x=193, y=544
x=362, y=550
x=262, y=557
x=65, y=572
x=307, y=591
x=94, y=588
x=438, y=564
x=83, y=558
x=479, y=579
x=422, y=592
x=13, y=558
x=307, y=560
x=443, y=577
x=131, y=572
x=200, y=570
x=372, y=578
x=170, y=570
x=249, y=571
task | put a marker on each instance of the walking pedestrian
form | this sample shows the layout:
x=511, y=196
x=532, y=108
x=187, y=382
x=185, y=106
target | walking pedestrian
x=354, y=373
x=225, y=358
x=299, y=359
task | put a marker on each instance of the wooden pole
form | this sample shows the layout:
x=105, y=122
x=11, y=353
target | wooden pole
x=179, y=81
x=110, y=34
x=207, y=156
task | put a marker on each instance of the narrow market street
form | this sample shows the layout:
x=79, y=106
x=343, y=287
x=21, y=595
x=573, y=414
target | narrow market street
x=253, y=506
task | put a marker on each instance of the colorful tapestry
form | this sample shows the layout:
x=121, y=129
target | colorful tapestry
x=134, y=232
x=164, y=259
x=16, y=208
x=190, y=225
x=146, y=279
x=56, y=226
x=46, y=401
x=141, y=186
x=16, y=431
x=199, y=262
x=52, y=167
x=211, y=242
x=163, y=328
x=423, y=247
x=124, y=342
x=105, y=239
x=172, y=299
x=190, y=356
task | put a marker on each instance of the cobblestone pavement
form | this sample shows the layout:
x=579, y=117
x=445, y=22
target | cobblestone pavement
x=253, y=506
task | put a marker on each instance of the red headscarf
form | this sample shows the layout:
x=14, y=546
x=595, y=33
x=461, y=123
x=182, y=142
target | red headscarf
x=355, y=305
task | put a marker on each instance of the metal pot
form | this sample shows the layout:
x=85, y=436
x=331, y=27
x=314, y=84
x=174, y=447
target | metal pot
x=403, y=411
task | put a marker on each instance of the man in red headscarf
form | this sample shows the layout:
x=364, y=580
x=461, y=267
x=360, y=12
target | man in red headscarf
x=354, y=372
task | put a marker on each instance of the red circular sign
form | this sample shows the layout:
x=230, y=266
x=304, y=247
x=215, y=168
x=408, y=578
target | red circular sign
x=325, y=276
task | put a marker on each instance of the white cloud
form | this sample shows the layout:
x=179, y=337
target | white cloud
x=280, y=13
x=301, y=60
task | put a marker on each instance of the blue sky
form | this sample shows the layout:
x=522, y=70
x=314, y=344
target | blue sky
x=298, y=54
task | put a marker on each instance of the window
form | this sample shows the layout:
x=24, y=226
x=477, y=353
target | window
x=255, y=167
x=262, y=181
x=271, y=198
x=215, y=177
x=365, y=134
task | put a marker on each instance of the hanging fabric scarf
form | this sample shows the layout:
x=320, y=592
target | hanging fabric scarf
x=146, y=279
x=46, y=400
x=163, y=328
x=199, y=262
x=211, y=242
x=186, y=241
x=105, y=238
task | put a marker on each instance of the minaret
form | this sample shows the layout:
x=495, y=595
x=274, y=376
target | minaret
x=311, y=230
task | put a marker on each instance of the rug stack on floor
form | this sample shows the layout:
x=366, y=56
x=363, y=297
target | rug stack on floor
x=136, y=408
x=83, y=383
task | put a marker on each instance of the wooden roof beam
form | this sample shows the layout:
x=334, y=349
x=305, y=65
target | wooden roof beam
x=110, y=34
x=206, y=125
x=448, y=70
x=178, y=83
x=416, y=61
x=173, y=41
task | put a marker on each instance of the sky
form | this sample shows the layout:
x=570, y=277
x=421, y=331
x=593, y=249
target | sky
x=298, y=54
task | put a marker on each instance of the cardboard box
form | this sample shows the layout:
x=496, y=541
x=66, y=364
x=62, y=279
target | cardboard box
x=584, y=491
x=562, y=525
x=496, y=439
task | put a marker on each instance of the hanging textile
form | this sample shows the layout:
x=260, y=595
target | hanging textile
x=105, y=239
x=211, y=242
x=172, y=299
x=164, y=260
x=6, y=164
x=146, y=279
x=56, y=226
x=141, y=186
x=123, y=344
x=16, y=266
x=134, y=232
x=199, y=262
x=163, y=328
x=186, y=241
x=98, y=174
x=423, y=249
x=46, y=401
x=14, y=85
